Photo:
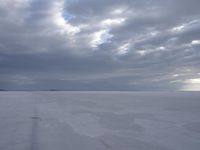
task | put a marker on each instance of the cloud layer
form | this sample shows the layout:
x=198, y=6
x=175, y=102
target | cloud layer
x=99, y=45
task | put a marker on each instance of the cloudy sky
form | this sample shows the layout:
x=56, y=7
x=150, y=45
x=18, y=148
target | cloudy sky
x=100, y=45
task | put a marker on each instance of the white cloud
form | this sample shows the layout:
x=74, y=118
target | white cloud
x=142, y=52
x=112, y=22
x=64, y=25
x=195, y=42
x=187, y=26
x=191, y=85
x=161, y=48
x=118, y=11
x=178, y=28
x=100, y=37
x=154, y=33
x=193, y=81
x=123, y=49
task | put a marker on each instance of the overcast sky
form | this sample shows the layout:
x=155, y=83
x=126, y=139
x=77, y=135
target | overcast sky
x=100, y=45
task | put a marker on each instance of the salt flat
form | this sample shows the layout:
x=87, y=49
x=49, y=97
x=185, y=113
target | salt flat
x=99, y=121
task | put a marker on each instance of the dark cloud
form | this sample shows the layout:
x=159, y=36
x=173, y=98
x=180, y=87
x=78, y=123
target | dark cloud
x=99, y=45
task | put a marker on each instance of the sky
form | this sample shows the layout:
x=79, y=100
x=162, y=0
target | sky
x=129, y=45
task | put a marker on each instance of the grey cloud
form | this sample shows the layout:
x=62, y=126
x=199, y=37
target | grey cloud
x=83, y=44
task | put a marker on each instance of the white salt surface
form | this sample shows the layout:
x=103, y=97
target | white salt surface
x=99, y=121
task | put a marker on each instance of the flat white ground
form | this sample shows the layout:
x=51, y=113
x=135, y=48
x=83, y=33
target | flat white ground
x=99, y=121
